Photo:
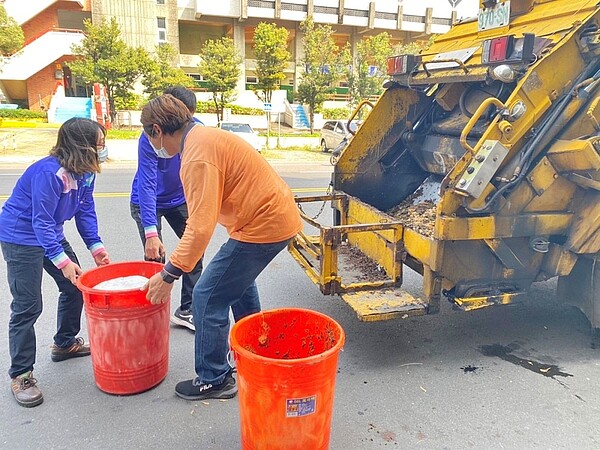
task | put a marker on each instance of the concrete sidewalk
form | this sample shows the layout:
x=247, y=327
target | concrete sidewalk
x=26, y=145
x=119, y=150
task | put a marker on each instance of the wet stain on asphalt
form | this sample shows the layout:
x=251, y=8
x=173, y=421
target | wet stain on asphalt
x=505, y=353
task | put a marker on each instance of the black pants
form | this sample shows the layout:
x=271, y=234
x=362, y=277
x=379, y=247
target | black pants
x=25, y=265
x=176, y=218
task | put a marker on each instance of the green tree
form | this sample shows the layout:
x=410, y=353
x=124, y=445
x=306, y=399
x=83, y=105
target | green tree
x=414, y=47
x=272, y=55
x=161, y=72
x=11, y=34
x=106, y=59
x=323, y=65
x=368, y=71
x=220, y=69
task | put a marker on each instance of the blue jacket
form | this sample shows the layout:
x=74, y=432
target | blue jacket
x=44, y=198
x=156, y=184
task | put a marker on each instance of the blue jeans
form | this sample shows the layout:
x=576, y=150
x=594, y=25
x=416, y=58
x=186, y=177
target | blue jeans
x=177, y=218
x=227, y=282
x=25, y=265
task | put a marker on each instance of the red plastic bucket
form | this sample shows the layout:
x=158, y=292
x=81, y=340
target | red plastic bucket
x=286, y=364
x=129, y=336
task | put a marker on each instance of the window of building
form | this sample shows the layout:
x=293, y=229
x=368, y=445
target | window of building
x=162, y=29
x=196, y=77
x=251, y=80
x=160, y=2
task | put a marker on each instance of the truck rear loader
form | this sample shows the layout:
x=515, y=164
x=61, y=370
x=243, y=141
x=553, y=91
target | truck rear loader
x=478, y=168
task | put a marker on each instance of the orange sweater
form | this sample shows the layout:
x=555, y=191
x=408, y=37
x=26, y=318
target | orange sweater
x=227, y=181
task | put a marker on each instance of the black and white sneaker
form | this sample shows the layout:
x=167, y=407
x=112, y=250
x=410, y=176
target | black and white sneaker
x=183, y=318
x=196, y=390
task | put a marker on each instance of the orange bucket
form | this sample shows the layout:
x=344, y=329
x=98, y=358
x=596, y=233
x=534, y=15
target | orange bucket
x=286, y=364
x=129, y=336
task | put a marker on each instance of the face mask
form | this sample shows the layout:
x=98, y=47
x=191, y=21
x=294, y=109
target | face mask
x=160, y=152
x=103, y=154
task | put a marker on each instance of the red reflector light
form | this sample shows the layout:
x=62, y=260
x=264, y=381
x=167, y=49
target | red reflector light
x=509, y=48
x=391, y=65
x=499, y=49
x=403, y=64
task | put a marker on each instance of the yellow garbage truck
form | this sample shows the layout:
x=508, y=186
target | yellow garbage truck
x=478, y=168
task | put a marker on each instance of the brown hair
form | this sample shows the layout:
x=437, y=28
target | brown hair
x=167, y=112
x=76, y=145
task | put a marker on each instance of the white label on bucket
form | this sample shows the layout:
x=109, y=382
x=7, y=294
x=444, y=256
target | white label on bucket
x=298, y=407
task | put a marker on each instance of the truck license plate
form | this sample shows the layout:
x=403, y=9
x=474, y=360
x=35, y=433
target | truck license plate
x=495, y=17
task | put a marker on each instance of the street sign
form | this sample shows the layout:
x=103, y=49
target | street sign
x=267, y=107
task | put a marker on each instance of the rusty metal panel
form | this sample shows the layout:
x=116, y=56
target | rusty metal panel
x=575, y=155
x=542, y=176
x=557, y=197
x=363, y=170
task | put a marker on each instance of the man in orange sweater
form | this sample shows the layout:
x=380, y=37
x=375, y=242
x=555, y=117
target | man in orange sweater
x=225, y=181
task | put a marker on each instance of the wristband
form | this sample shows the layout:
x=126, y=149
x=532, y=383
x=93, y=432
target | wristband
x=167, y=277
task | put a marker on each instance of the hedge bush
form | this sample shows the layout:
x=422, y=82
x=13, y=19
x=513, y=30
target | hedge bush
x=336, y=113
x=209, y=108
x=21, y=114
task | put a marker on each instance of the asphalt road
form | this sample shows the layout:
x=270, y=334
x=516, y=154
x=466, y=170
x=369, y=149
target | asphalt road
x=521, y=376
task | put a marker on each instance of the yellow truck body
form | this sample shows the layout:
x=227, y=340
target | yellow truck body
x=478, y=167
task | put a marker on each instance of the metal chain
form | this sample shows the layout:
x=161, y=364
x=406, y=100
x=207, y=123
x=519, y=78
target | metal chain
x=327, y=192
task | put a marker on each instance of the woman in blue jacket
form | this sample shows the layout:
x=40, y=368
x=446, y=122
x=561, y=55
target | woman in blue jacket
x=51, y=191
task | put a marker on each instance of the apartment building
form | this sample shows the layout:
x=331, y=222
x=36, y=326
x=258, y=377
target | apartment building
x=33, y=75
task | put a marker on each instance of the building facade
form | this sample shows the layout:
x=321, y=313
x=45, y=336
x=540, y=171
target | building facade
x=51, y=27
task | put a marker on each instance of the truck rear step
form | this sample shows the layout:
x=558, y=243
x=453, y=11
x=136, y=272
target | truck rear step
x=384, y=304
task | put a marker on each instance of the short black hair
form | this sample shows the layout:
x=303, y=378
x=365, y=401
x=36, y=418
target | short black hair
x=184, y=95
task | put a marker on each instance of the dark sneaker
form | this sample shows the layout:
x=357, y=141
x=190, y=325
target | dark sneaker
x=183, y=318
x=196, y=390
x=78, y=349
x=24, y=388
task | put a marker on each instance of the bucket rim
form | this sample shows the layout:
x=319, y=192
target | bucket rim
x=87, y=289
x=237, y=348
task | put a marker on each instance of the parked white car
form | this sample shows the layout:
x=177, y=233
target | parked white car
x=244, y=131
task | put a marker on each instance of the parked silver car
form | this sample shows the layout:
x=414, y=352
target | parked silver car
x=334, y=132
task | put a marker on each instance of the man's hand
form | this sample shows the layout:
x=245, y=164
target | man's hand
x=158, y=290
x=154, y=250
x=71, y=272
x=101, y=258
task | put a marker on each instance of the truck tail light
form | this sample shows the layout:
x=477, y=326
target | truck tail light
x=403, y=64
x=508, y=49
x=497, y=50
